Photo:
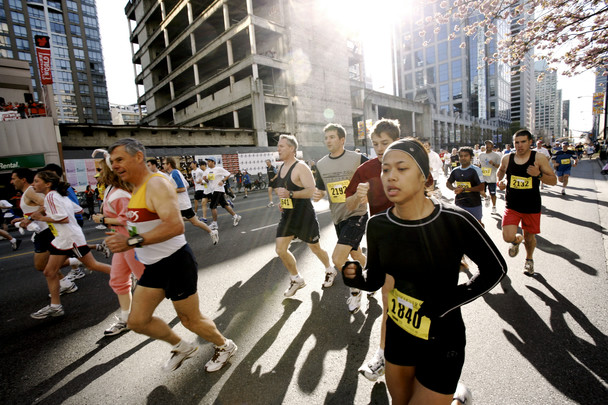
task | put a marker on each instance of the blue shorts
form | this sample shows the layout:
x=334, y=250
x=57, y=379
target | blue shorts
x=491, y=188
x=351, y=231
x=477, y=211
x=562, y=172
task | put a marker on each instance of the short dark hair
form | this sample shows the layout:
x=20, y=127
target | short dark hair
x=55, y=168
x=153, y=161
x=524, y=132
x=25, y=173
x=336, y=127
x=389, y=127
x=467, y=149
x=194, y=161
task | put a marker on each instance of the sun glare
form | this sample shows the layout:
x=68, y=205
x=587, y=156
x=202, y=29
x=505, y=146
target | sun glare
x=371, y=23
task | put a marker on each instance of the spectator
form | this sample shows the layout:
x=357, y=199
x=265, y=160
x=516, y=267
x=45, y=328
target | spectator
x=246, y=182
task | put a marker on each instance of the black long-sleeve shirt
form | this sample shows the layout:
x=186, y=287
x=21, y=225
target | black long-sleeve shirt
x=424, y=258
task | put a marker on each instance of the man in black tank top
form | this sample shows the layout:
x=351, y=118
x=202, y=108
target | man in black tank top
x=295, y=186
x=524, y=170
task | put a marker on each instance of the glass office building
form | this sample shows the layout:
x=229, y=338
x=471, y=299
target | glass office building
x=79, y=82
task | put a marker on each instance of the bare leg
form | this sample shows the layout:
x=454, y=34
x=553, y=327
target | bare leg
x=288, y=259
x=192, y=318
x=141, y=319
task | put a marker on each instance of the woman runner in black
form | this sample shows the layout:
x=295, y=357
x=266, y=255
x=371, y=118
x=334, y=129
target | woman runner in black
x=415, y=249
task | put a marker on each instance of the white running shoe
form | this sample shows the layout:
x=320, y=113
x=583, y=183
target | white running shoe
x=529, y=267
x=215, y=236
x=514, y=249
x=77, y=273
x=270, y=204
x=100, y=227
x=494, y=210
x=329, y=278
x=66, y=287
x=213, y=226
x=48, y=311
x=221, y=356
x=178, y=356
x=373, y=369
x=294, y=286
x=102, y=247
x=116, y=328
x=235, y=220
x=463, y=395
x=354, y=301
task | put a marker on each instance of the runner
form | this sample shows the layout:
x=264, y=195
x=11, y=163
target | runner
x=115, y=207
x=469, y=184
x=564, y=161
x=425, y=335
x=366, y=185
x=490, y=162
x=31, y=202
x=183, y=199
x=271, y=172
x=69, y=240
x=199, y=185
x=215, y=177
x=156, y=231
x=524, y=171
x=295, y=186
x=454, y=162
x=334, y=172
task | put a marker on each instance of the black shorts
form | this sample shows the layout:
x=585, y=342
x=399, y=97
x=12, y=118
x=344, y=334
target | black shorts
x=438, y=361
x=42, y=241
x=188, y=213
x=199, y=195
x=176, y=274
x=218, y=198
x=351, y=231
x=248, y=186
x=272, y=184
x=80, y=251
x=301, y=223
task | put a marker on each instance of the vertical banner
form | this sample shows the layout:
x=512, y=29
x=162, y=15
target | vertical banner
x=43, y=54
x=360, y=131
x=598, y=103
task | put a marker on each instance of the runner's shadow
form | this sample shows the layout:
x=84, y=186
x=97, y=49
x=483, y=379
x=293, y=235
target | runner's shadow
x=573, y=220
x=549, y=350
x=549, y=247
x=592, y=355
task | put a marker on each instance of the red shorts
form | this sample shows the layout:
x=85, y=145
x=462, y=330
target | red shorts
x=529, y=222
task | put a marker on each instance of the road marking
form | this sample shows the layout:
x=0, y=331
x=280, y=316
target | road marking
x=264, y=227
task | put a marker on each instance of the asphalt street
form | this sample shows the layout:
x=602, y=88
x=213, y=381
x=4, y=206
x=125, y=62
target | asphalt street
x=532, y=340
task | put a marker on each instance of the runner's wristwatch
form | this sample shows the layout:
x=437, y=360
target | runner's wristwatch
x=291, y=194
x=135, y=241
x=540, y=175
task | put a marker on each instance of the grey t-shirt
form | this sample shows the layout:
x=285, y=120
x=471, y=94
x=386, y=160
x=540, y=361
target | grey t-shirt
x=333, y=176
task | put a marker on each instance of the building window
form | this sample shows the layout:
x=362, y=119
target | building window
x=430, y=75
x=442, y=51
x=456, y=69
x=457, y=90
x=443, y=72
x=444, y=93
x=430, y=55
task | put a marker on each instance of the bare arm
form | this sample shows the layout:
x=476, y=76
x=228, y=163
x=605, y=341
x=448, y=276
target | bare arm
x=542, y=165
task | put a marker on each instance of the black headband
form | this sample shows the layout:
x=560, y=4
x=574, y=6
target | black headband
x=415, y=150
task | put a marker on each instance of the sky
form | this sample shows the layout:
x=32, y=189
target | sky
x=120, y=75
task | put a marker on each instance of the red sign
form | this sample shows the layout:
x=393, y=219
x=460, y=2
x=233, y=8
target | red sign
x=43, y=54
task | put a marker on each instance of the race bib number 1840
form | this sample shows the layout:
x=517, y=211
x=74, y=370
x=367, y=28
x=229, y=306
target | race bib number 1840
x=403, y=309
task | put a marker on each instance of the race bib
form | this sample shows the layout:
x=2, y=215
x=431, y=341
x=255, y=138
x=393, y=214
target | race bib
x=565, y=161
x=211, y=176
x=286, y=203
x=464, y=184
x=486, y=171
x=403, y=310
x=53, y=229
x=521, y=183
x=337, y=191
x=454, y=164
